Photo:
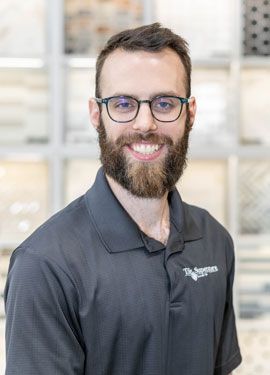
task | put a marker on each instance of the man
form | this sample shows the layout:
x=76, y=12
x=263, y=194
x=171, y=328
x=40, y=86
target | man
x=128, y=279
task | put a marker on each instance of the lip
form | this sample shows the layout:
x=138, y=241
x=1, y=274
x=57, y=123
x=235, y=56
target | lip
x=145, y=157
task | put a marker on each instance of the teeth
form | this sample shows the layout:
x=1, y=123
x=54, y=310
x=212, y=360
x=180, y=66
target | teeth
x=145, y=149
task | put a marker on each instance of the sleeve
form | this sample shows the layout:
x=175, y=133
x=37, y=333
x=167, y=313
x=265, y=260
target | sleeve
x=228, y=354
x=42, y=332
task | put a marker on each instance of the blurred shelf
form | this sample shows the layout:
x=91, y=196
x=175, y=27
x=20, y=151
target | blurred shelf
x=27, y=63
x=37, y=152
x=79, y=62
x=70, y=151
x=213, y=151
x=8, y=246
x=255, y=62
x=252, y=240
x=211, y=63
x=26, y=151
x=254, y=325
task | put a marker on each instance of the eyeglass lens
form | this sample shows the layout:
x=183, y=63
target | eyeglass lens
x=124, y=109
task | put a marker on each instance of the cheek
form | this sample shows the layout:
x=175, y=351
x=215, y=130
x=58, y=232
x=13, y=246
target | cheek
x=174, y=131
x=113, y=129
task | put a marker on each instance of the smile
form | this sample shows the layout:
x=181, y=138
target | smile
x=145, y=149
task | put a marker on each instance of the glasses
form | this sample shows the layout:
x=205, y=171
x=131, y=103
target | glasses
x=164, y=108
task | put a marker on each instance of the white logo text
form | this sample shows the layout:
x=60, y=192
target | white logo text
x=196, y=272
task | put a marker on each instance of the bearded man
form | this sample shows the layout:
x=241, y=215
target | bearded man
x=128, y=279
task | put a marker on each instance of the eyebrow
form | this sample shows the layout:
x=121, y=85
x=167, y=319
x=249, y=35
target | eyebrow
x=161, y=93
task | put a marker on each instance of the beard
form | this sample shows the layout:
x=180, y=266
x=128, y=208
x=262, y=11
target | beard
x=144, y=179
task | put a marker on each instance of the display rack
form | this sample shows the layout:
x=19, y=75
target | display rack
x=62, y=155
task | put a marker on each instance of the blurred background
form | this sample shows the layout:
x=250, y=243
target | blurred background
x=49, y=152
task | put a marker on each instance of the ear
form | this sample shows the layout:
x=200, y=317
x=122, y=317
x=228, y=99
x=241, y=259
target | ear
x=192, y=109
x=94, y=112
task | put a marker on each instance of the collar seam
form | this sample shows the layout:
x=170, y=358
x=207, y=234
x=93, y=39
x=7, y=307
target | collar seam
x=96, y=226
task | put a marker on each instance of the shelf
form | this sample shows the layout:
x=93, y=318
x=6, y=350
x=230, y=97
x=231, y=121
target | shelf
x=36, y=152
x=211, y=63
x=245, y=152
x=26, y=151
x=8, y=246
x=80, y=62
x=253, y=240
x=255, y=62
x=21, y=63
x=252, y=325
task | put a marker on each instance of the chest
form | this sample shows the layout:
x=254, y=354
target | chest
x=137, y=289
x=139, y=310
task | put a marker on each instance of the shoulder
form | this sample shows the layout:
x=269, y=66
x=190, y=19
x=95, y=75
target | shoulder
x=59, y=239
x=214, y=235
x=206, y=222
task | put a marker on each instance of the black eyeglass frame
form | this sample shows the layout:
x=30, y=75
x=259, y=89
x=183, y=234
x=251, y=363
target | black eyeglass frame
x=106, y=101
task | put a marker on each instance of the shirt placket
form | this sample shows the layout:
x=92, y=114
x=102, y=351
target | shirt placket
x=176, y=298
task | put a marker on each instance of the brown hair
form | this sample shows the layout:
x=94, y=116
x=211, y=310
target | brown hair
x=150, y=38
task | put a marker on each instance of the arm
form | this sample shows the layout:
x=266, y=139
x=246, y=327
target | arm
x=228, y=354
x=42, y=332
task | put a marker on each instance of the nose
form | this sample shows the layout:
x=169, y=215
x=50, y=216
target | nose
x=144, y=121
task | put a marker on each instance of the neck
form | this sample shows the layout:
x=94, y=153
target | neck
x=151, y=215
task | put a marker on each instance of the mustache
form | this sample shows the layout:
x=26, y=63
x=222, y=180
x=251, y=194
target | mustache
x=127, y=139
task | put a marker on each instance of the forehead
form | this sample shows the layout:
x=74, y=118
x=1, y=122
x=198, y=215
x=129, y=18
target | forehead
x=142, y=73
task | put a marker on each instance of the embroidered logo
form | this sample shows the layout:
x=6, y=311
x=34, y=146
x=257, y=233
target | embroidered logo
x=196, y=272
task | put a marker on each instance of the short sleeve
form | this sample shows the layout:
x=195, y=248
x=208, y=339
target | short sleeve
x=228, y=355
x=42, y=330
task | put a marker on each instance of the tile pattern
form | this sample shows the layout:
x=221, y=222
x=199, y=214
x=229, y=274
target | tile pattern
x=254, y=203
x=256, y=27
x=23, y=198
x=85, y=171
x=23, y=106
x=79, y=88
x=253, y=283
x=254, y=106
x=89, y=23
x=204, y=184
x=211, y=90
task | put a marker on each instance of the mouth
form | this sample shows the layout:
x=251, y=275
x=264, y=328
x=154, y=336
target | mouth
x=145, y=151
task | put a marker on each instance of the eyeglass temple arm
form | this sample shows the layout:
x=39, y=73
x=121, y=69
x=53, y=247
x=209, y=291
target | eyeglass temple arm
x=99, y=100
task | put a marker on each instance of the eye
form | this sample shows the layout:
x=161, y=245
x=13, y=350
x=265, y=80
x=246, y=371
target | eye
x=123, y=104
x=164, y=104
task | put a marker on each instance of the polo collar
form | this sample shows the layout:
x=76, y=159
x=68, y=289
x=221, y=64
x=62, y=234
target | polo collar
x=119, y=232
x=182, y=218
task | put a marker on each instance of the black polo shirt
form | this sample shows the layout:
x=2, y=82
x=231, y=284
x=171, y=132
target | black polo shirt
x=89, y=293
